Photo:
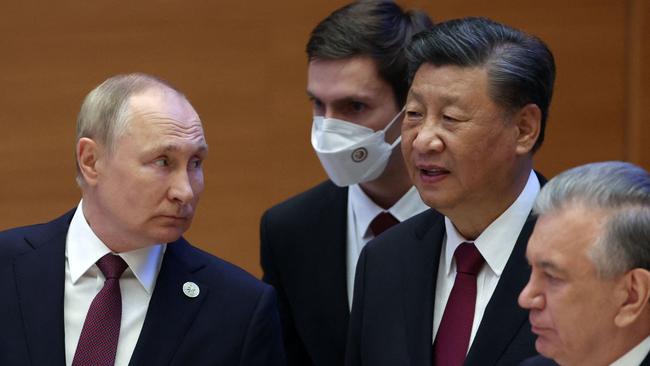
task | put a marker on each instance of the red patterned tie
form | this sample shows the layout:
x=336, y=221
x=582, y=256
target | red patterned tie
x=452, y=339
x=98, y=340
x=382, y=222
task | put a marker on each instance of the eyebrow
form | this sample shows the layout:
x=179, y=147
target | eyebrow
x=352, y=98
x=550, y=266
x=173, y=147
x=445, y=99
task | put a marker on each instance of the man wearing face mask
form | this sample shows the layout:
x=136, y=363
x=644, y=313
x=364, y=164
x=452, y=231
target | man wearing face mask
x=310, y=243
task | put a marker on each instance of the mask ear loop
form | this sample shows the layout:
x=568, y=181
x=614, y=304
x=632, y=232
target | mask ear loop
x=390, y=124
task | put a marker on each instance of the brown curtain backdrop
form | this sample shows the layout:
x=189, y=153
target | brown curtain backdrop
x=242, y=65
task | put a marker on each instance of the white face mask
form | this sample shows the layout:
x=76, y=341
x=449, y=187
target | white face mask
x=351, y=153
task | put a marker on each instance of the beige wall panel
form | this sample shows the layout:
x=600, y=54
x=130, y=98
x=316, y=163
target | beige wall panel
x=638, y=73
x=242, y=64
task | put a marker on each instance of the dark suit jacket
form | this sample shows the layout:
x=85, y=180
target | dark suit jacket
x=233, y=321
x=538, y=361
x=543, y=361
x=303, y=256
x=392, y=316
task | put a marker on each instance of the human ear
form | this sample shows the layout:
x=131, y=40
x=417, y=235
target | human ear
x=636, y=288
x=88, y=153
x=528, y=122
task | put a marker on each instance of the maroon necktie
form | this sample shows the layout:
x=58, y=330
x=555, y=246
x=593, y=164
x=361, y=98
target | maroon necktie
x=98, y=340
x=452, y=339
x=382, y=222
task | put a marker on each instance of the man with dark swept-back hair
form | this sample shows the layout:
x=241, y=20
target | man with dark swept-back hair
x=373, y=28
x=520, y=68
x=443, y=286
x=357, y=83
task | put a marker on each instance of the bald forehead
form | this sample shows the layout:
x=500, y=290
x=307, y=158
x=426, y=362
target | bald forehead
x=161, y=101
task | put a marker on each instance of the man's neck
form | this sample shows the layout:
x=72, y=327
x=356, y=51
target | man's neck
x=472, y=221
x=392, y=185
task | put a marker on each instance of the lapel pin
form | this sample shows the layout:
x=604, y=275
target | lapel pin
x=191, y=289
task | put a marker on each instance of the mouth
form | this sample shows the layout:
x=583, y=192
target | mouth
x=174, y=218
x=537, y=329
x=432, y=173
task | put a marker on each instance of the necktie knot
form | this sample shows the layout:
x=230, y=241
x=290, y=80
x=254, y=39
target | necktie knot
x=382, y=222
x=468, y=259
x=112, y=266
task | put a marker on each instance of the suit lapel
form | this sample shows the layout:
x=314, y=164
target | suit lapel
x=170, y=312
x=421, y=266
x=503, y=317
x=325, y=266
x=329, y=255
x=40, y=280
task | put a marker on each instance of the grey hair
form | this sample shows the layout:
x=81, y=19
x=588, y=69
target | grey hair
x=104, y=113
x=623, y=191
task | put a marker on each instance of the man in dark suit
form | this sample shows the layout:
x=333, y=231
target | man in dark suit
x=310, y=243
x=443, y=285
x=589, y=290
x=112, y=282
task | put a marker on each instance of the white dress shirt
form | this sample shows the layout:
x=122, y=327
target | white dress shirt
x=495, y=244
x=636, y=355
x=361, y=211
x=83, y=280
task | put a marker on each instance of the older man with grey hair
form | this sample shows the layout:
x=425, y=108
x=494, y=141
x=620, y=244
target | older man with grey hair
x=589, y=290
x=113, y=282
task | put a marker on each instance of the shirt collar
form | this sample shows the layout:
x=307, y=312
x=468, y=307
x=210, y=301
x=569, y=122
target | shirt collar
x=84, y=249
x=365, y=209
x=496, y=242
x=636, y=355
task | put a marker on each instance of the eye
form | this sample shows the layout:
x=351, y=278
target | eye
x=410, y=114
x=196, y=163
x=552, y=279
x=162, y=162
x=357, y=107
x=449, y=118
x=317, y=106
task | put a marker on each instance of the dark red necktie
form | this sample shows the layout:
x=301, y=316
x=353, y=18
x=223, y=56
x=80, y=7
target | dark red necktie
x=382, y=222
x=98, y=340
x=452, y=339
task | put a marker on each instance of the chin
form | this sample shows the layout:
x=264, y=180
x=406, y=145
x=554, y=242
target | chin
x=544, y=348
x=168, y=235
x=436, y=201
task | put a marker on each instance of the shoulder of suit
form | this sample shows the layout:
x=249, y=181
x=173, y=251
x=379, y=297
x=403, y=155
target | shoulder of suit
x=538, y=361
x=18, y=240
x=218, y=271
x=311, y=200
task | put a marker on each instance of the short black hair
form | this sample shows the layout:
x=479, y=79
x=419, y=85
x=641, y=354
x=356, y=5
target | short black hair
x=520, y=67
x=379, y=29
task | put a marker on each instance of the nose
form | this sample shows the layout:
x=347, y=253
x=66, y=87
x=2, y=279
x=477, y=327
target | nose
x=328, y=113
x=530, y=297
x=428, y=139
x=331, y=113
x=181, y=190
